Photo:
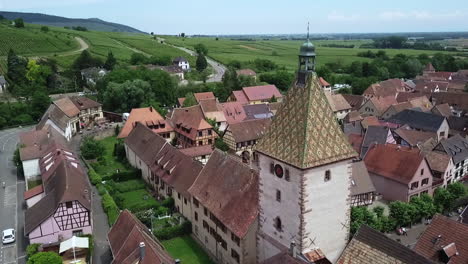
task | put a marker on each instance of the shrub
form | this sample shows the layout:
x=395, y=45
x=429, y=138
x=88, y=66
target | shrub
x=145, y=216
x=168, y=202
x=124, y=176
x=94, y=177
x=45, y=258
x=174, y=231
x=111, y=209
x=162, y=211
x=91, y=148
x=32, y=249
x=119, y=151
x=101, y=189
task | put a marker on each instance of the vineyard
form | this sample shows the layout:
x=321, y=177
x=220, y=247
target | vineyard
x=32, y=41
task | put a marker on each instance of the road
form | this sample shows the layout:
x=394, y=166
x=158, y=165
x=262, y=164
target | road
x=11, y=199
x=219, y=68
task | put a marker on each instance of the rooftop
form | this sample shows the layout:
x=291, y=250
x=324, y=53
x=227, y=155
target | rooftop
x=418, y=120
x=249, y=130
x=263, y=92
x=147, y=116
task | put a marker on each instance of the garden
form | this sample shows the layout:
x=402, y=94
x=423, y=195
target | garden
x=419, y=209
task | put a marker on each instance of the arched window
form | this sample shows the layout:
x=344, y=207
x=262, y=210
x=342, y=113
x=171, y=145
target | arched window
x=327, y=175
x=278, y=223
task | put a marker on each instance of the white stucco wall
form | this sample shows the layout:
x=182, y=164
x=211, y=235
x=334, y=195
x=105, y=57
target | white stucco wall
x=31, y=169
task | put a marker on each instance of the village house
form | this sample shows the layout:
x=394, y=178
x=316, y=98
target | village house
x=92, y=75
x=256, y=94
x=419, y=103
x=325, y=85
x=458, y=126
x=32, y=145
x=182, y=63
x=429, y=87
x=457, y=148
x=131, y=242
x=63, y=209
x=201, y=153
x=198, y=97
x=166, y=169
x=212, y=110
x=355, y=101
x=3, y=84
x=225, y=209
x=387, y=88
x=362, y=188
x=305, y=172
x=339, y=105
x=398, y=173
x=247, y=72
x=70, y=115
x=152, y=119
x=422, y=121
x=376, y=106
x=191, y=128
x=234, y=112
x=406, y=136
x=458, y=102
x=442, y=110
x=242, y=137
x=370, y=246
x=257, y=111
x=444, y=241
x=376, y=135
x=441, y=166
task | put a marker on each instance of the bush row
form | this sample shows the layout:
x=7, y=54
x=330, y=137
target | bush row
x=123, y=176
x=174, y=231
x=110, y=207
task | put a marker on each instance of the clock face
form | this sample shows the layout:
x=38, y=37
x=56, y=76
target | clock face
x=279, y=171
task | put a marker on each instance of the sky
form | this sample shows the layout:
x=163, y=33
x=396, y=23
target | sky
x=220, y=17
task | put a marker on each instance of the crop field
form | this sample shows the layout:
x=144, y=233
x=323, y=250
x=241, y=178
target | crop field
x=32, y=41
x=282, y=52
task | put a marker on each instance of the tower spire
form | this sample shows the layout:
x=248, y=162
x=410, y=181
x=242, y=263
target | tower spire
x=307, y=30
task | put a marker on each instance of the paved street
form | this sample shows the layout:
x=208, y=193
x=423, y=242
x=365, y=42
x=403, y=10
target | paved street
x=11, y=200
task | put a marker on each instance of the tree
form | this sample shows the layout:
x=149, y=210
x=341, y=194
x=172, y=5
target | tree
x=110, y=61
x=182, y=35
x=379, y=211
x=126, y=96
x=403, y=213
x=201, y=63
x=201, y=49
x=457, y=190
x=85, y=60
x=220, y=144
x=442, y=200
x=189, y=100
x=39, y=103
x=45, y=258
x=45, y=29
x=152, y=33
x=138, y=58
x=91, y=148
x=19, y=23
x=280, y=78
x=32, y=249
x=16, y=67
x=273, y=99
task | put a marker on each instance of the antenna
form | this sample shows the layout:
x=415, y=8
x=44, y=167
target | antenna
x=307, y=30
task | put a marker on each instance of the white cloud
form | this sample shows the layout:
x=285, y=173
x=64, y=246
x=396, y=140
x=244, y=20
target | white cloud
x=339, y=17
x=392, y=15
x=419, y=15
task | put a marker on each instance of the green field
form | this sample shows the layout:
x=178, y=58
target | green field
x=187, y=250
x=283, y=52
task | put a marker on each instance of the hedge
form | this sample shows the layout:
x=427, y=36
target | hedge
x=128, y=186
x=101, y=189
x=94, y=177
x=174, y=231
x=111, y=209
x=32, y=249
x=124, y=176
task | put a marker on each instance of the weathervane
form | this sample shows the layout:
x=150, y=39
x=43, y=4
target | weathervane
x=307, y=30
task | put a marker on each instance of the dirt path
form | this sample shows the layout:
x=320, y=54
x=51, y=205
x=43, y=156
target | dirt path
x=130, y=47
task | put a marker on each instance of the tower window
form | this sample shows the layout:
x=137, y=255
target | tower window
x=327, y=175
x=286, y=175
x=278, y=195
x=279, y=171
x=272, y=168
x=278, y=224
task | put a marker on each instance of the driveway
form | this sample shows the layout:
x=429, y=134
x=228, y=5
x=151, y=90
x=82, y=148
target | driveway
x=11, y=198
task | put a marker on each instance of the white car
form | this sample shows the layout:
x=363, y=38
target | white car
x=8, y=236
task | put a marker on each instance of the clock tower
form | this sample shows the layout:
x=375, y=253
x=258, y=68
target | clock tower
x=305, y=172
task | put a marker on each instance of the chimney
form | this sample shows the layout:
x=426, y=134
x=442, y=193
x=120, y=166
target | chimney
x=293, y=249
x=151, y=109
x=142, y=251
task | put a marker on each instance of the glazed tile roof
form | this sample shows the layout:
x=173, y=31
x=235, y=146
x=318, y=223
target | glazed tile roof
x=394, y=162
x=125, y=237
x=147, y=116
x=304, y=132
x=229, y=189
x=431, y=246
x=370, y=246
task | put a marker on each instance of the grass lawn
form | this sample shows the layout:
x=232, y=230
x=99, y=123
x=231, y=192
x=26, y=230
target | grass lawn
x=136, y=200
x=110, y=164
x=32, y=184
x=187, y=250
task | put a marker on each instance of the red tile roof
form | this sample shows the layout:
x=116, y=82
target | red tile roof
x=188, y=121
x=229, y=189
x=263, y=92
x=125, y=237
x=181, y=101
x=67, y=106
x=414, y=137
x=198, y=151
x=356, y=142
x=393, y=161
x=240, y=97
x=431, y=246
x=405, y=97
x=247, y=72
x=249, y=130
x=33, y=192
x=204, y=96
x=147, y=116
x=234, y=112
x=386, y=88
x=370, y=121
x=323, y=82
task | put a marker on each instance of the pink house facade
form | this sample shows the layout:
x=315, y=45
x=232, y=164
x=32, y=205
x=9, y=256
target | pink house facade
x=62, y=207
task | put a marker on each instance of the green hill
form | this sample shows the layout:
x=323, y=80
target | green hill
x=49, y=20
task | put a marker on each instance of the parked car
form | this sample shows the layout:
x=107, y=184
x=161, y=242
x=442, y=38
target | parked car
x=8, y=236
